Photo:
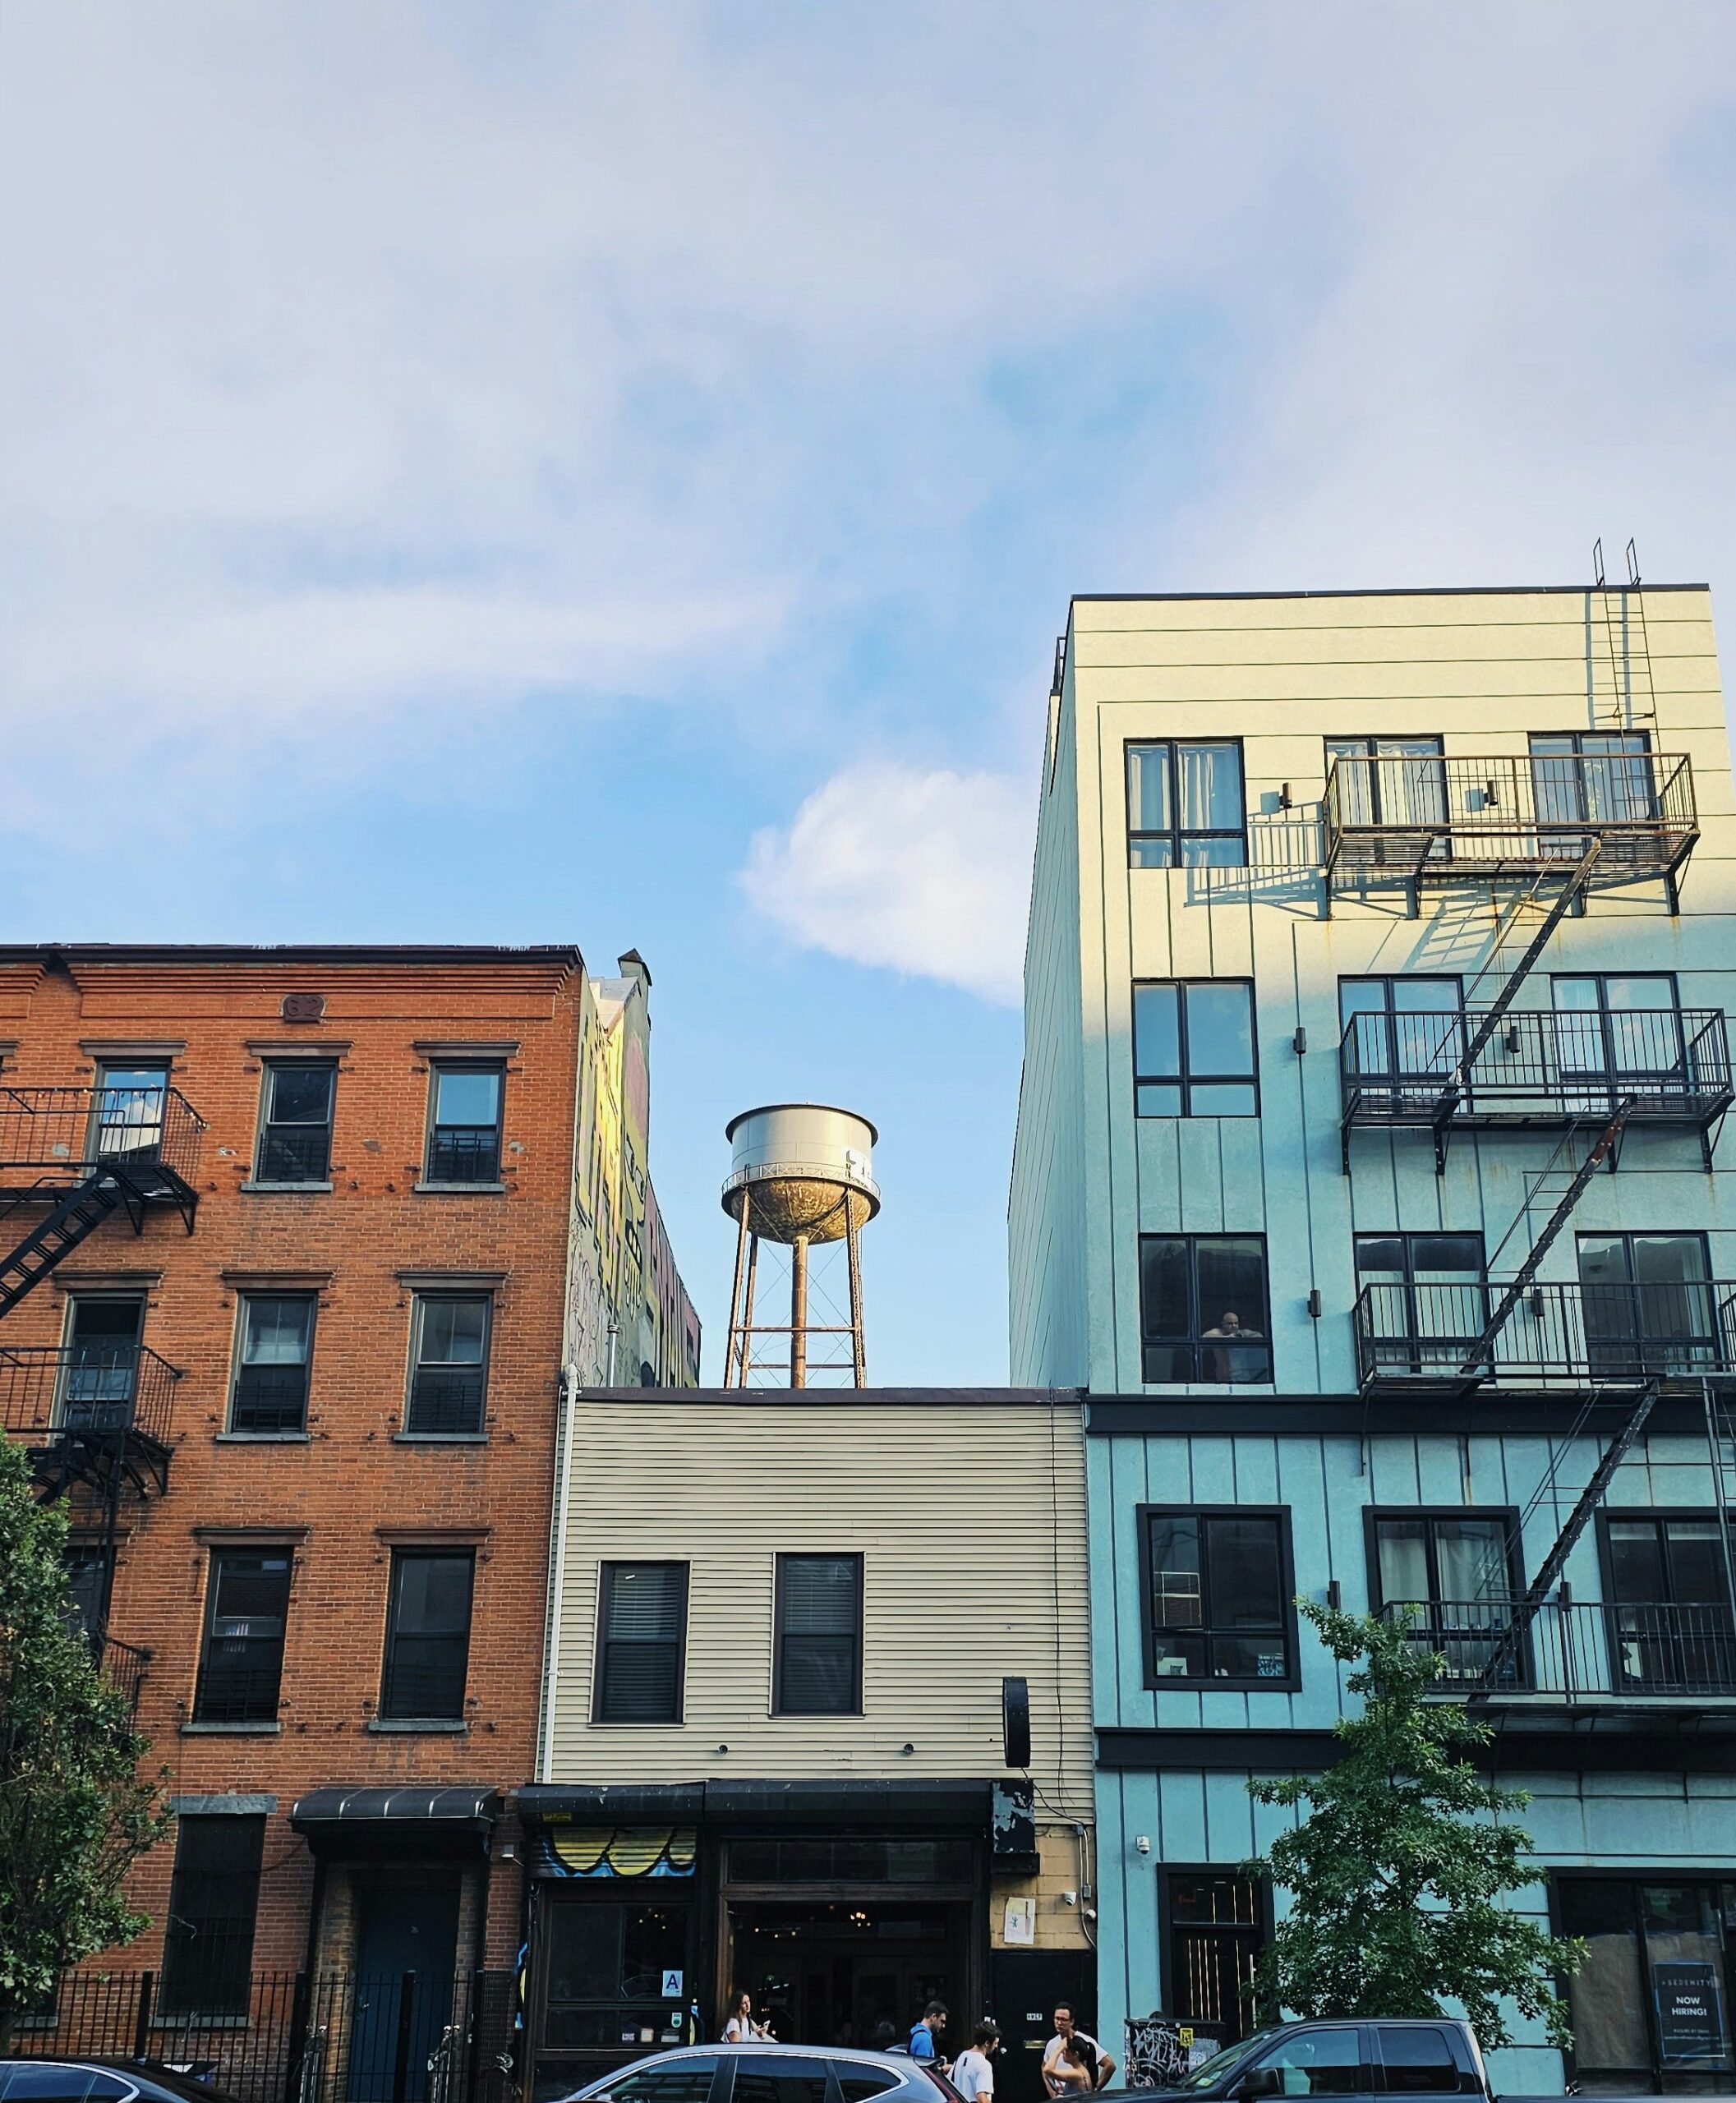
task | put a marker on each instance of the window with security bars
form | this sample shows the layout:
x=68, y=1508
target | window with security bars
x=819, y=1669
x=241, y=1665
x=464, y=1123
x=641, y=1637
x=274, y=1350
x=213, y=1899
x=295, y=1140
x=427, y=1635
x=448, y=1370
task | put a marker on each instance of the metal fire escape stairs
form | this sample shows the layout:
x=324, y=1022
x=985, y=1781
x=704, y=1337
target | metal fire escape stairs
x=75, y=1216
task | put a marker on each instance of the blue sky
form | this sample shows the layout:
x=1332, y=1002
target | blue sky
x=616, y=472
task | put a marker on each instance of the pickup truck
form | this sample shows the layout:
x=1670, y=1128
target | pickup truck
x=1430, y=2060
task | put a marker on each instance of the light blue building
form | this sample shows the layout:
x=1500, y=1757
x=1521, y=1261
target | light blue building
x=1366, y=1179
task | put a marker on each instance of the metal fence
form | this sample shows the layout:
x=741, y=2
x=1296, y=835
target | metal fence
x=1581, y=1650
x=297, y=2038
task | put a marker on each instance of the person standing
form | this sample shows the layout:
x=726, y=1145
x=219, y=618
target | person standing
x=1064, y=2073
x=973, y=2072
x=925, y=2037
x=741, y=2028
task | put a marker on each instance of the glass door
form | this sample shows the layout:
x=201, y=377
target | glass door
x=1429, y=1301
x=102, y=1363
x=1670, y=1626
x=1648, y=1305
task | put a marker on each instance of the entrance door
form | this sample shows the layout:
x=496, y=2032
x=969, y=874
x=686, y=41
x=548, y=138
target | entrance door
x=847, y=1971
x=1026, y=1986
x=407, y=1923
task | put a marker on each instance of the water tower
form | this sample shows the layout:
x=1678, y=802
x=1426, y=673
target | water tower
x=801, y=1175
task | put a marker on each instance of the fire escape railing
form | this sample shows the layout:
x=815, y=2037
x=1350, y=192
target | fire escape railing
x=1577, y=1649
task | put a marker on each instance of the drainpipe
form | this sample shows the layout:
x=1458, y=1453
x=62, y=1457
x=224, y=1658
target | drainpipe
x=566, y=1410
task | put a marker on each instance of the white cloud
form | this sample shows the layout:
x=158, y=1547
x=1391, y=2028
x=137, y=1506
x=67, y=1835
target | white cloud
x=926, y=872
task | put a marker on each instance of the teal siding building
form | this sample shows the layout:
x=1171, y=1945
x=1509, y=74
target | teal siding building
x=1368, y=1181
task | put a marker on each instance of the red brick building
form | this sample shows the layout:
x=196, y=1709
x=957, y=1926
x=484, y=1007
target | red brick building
x=307, y=1233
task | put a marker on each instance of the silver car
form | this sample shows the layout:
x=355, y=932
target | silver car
x=765, y=2073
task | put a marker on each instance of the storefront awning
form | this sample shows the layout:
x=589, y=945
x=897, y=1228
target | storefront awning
x=404, y=1821
x=907, y=1807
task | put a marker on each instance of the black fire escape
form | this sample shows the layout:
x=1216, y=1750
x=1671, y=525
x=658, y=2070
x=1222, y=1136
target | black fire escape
x=94, y=1416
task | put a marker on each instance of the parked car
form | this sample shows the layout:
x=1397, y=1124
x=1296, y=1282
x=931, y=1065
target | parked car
x=765, y=2072
x=1429, y=2062
x=102, y=2080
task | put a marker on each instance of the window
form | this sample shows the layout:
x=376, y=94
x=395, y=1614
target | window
x=857, y=2082
x=1458, y=1571
x=1185, y=807
x=1649, y=1305
x=1218, y=1595
x=1404, y=1035
x=90, y=1574
x=1216, y=1934
x=1417, y=2060
x=606, y=1961
x=242, y=1665
x=427, y=1635
x=1390, y=781
x=641, y=1635
x=449, y=1371
x=1202, y=1308
x=131, y=1101
x=676, y=2081
x=100, y=1376
x=464, y=1125
x=1422, y=1302
x=1317, y=2063
x=214, y=1896
x=1648, y=2007
x=1619, y=1033
x=1193, y=1048
x=818, y=1670
x=52, y=2081
x=274, y=1350
x=1667, y=1581
x=1600, y=776
x=295, y=1140
x=780, y=2079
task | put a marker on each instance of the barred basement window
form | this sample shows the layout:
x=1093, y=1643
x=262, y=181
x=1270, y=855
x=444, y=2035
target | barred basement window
x=214, y=1897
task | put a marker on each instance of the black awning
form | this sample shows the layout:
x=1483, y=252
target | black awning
x=402, y=1821
x=853, y=1805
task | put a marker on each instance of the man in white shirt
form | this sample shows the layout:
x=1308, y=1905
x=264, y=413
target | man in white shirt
x=1065, y=2028
x=973, y=2073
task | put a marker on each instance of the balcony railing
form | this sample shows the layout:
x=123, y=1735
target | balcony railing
x=56, y=1397
x=1428, y=1337
x=1432, y=820
x=51, y=1138
x=1580, y=1650
x=124, y=1666
x=1537, y=1069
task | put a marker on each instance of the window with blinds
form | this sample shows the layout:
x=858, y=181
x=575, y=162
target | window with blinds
x=818, y=1668
x=641, y=1635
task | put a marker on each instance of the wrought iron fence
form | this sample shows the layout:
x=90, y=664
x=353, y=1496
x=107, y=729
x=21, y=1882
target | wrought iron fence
x=294, y=2037
x=66, y=1130
x=57, y=1391
x=1580, y=1650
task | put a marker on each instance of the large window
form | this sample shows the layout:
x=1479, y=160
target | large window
x=214, y=1896
x=818, y=1668
x=1458, y=1572
x=1666, y=1579
x=1402, y=1036
x=1423, y=1300
x=241, y=1667
x=606, y=1961
x=1218, y=1597
x=1193, y=1048
x=1202, y=1308
x=1185, y=807
x=273, y=1351
x=1649, y=1306
x=1650, y=2007
x=1619, y=1033
x=427, y=1635
x=1600, y=776
x=295, y=1140
x=641, y=1633
x=449, y=1364
x=464, y=1123
x=100, y=1378
x=1390, y=781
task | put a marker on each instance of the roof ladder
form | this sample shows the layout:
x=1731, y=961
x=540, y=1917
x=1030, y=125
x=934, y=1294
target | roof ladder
x=1573, y=889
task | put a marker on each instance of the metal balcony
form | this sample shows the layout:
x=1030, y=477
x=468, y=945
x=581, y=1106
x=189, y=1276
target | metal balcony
x=1422, y=820
x=1428, y=1339
x=1537, y=1071
x=146, y=1140
x=1585, y=1652
x=101, y=1418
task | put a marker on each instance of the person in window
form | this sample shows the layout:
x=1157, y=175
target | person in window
x=1234, y=1366
x=973, y=2072
x=925, y=2038
x=741, y=2028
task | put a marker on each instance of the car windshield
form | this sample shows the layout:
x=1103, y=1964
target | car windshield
x=1220, y=2063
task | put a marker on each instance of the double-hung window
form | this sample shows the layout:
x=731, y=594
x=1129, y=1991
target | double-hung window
x=1202, y=1308
x=449, y=1364
x=641, y=1642
x=274, y=1354
x=818, y=1668
x=295, y=1139
x=427, y=1635
x=1185, y=806
x=214, y=1897
x=1217, y=1594
x=241, y=1665
x=1193, y=1048
x=464, y=1122
x=1620, y=1033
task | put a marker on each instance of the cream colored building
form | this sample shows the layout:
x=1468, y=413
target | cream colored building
x=776, y=1750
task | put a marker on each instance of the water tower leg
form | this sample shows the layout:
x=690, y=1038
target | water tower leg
x=799, y=1313
x=733, y=1345
x=747, y=1311
x=858, y=1350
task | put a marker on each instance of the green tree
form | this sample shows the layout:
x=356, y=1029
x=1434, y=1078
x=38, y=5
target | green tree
x=75, y=1814
x=1398, y=1867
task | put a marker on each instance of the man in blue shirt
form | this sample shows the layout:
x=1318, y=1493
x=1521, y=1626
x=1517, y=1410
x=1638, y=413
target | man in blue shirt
x=925, y=2037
